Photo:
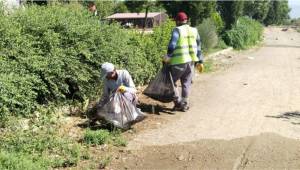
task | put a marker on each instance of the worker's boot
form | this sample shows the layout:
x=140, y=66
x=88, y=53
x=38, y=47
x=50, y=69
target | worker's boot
x=181, y=106
x=177, y=106
x=184, y=105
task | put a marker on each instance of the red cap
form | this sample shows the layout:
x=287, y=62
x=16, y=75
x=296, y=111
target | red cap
x=181, y=16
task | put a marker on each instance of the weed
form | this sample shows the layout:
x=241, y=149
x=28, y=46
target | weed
x=104, y=162
x=97, y=137
x=20, y=161
x=208, y=65
x=39, y=145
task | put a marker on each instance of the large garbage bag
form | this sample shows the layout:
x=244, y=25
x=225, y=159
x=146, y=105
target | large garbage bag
x=161, y=88
x=120, y=111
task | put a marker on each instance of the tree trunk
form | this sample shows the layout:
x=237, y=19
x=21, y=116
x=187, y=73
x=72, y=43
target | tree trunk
x=146, y=17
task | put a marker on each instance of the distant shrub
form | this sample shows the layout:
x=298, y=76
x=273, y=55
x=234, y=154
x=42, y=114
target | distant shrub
x=208, y=34
x=245, y=33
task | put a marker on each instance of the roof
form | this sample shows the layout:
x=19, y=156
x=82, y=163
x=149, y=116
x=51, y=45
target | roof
x=133, y=15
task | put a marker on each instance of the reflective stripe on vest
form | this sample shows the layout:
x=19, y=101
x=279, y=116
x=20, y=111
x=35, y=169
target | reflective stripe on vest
x=186, y=47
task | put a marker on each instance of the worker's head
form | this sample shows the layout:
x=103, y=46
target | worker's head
x=92, y=6
x=108, y=70
x=181, y=18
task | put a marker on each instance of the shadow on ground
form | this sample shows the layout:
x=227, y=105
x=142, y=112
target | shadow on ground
x=94, y=122
x=293, y=117
x=154, y=109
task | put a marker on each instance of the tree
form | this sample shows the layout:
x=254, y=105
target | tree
x=105, y=8
x=278, y=12
x=196, y=10
x=257, y=9
x=230, y=11
x=120, y=8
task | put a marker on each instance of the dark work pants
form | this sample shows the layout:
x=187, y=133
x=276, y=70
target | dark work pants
x=184, y=73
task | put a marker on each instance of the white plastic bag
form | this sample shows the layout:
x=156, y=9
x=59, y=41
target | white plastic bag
x=120, y=111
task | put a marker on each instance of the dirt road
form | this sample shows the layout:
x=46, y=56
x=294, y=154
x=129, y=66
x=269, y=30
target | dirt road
x=244, y=117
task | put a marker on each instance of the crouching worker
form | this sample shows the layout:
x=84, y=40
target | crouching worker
x=118, y=102
x=117, y=81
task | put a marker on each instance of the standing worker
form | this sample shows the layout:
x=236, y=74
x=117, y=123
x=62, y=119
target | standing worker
x=184, y=52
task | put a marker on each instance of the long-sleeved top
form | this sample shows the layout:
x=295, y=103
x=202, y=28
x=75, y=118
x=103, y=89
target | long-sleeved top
x=173, y=43
x=111, y=86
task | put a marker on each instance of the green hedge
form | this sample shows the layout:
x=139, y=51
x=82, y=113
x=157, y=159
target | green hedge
x=245, y=33
x=53, y=55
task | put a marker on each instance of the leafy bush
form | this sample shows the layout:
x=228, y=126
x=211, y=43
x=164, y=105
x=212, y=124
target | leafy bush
x=217, y=19
x=245, y=33
x=52, y=54
x=208, y=34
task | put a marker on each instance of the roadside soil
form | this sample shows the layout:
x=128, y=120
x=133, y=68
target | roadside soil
x=243, y=116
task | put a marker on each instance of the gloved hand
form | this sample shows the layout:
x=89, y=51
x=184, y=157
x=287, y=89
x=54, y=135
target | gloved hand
x=200, y=67
x=166, y=59
x=121, y=89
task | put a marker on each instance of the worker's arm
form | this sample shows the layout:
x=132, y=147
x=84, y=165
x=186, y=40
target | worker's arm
x=128, y=83
x=105, y=95
x=173, y=42
x=199, y=52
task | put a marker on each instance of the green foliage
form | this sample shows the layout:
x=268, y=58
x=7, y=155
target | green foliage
x=38, y=147
x=278, y=12
x=119, y=141
x=257, y=9
x=52, y=54
x=1, y=8
x=107, y=8
x=98, y=137
x=230, y=11
x=218, y=22
x=196, y=10
x=295, y=22
x=209, y=66
x=245, y=33
x=221, y=44
x=120, y=8
x=156, y=44
x=153, y=47
x=17, y=161
x=208, y=34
